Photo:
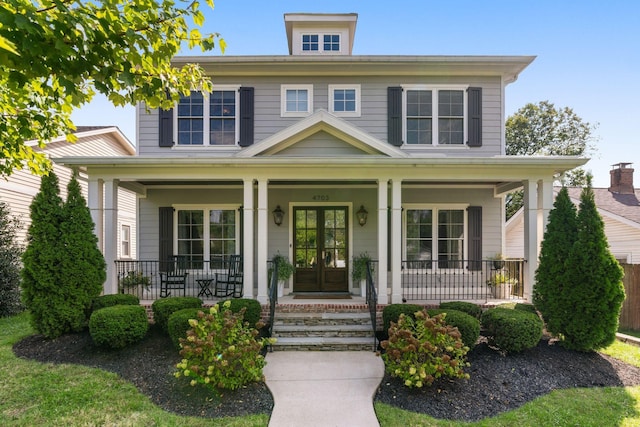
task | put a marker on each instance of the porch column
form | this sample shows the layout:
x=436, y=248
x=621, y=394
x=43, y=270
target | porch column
x=111, y=235
x=96, y=207
x=530, y=237
x=546, y=198
x=263, y=241
x=247, y=249
x=396, y=241
x=382, y=240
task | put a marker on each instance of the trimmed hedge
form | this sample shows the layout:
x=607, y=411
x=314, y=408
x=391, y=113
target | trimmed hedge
x=466, y=307
x=115, y=299
x=164, y=308
x=468, y=325
x=254, y=309
x=526, y=307
x=118, y=326
x=392, y=312
x=512, y=330
x=178, y=324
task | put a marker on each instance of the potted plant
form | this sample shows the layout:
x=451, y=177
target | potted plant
x=285, y=271
x=359, y=271
x=130, y=283
x=498, y=261
x=501, y=284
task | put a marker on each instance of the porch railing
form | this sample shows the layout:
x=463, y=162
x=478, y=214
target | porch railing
x=371, y=298
x=462, y=280
x=273, y=296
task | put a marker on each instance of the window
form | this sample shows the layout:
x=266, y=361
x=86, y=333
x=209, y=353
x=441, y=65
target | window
x=208, y=234
x=310, y=42
x=208, y=119
x=297, y=100
x=435, y=234
x=435, y=116
x=344, y=100
x=125, y=241
x=331, y=43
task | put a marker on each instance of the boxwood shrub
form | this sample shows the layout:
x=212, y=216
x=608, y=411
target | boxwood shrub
x=254, y=309
x=118, y=326
x=178, y=324
x=464, y=306
x=163, y=308
x=512, y=330
x=468, y=325
x=115, y=299
x=392, y=312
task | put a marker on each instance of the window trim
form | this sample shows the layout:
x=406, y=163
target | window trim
x=206, y=117
x=435, y=116
x=123, y=240
x=357, y=112
x=283, y=100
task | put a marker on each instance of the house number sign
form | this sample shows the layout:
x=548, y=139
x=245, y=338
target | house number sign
x=320, y=197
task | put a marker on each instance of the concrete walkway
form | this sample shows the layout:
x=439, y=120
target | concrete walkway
x=323, y=388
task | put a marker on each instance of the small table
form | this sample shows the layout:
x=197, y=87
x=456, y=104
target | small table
x=205, y=286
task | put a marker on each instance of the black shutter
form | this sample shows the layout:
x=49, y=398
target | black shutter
x=475, y=117
x=474, y=216
x=166, y=128
x=394, y=116
x=165, y=233
x=246, y=116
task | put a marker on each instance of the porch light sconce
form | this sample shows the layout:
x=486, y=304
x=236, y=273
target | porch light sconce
x=278, y=216
x=362, y=216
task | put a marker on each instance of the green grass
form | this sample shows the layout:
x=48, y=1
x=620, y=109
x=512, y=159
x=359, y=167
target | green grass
x=630, y=332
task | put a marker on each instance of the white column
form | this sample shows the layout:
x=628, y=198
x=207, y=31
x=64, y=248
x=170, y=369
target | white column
x=248, y=252
x=530, y=236
x=396, y=241
x=263, y=241
x=96, y=207
x=545, y=195
x=382, y=240
x=111, y=234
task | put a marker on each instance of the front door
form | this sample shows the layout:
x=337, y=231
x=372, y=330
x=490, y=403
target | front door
x=320, y=248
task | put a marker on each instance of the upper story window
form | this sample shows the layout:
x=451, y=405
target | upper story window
x=344, y=100
x=435, y=116
x=208, y=119
x=297, y=100
x=331, y=42
x=310, y=42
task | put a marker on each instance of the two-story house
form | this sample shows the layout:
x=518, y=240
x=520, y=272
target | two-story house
x=322, y=155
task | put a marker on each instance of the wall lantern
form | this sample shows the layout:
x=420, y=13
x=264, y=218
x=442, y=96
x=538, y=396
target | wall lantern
x=278, y=216
x=362, y=215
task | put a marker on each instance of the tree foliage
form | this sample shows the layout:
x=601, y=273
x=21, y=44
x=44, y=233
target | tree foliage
x=10, y=253
x=56, y=54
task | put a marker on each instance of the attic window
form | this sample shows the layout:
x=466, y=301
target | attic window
x=331, y=43
x=310, y=42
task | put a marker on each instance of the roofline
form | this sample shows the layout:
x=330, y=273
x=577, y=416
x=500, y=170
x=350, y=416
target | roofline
x=119, y=136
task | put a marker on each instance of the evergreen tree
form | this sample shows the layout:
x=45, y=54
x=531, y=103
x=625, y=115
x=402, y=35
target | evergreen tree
x=594, y=283
x=549, y=295
x=42, y=278
x=10, y=253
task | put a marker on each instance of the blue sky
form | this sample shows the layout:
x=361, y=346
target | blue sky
x=588, y=53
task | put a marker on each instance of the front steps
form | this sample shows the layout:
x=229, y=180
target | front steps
x=320, y=331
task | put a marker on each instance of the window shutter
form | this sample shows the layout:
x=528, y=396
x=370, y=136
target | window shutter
x=165, y=233
x=474, y=216
x=166, y=128
x=394, y=116
x=475, y=117
x=246, y=116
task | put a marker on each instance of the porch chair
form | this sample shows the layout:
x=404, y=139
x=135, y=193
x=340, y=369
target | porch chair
x=174, y=276
x=230, y=283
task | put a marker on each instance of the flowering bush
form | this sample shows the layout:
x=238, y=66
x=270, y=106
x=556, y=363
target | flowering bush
x=221, y=350
x=421, y=350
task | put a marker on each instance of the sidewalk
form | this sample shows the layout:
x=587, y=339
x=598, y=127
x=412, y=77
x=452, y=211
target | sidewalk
x=323, y=388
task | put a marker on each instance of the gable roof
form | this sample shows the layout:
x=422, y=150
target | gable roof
x=322, y=121
x=626, y=206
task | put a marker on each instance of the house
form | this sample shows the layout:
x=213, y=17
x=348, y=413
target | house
x=619, y=207
x=19, y=189
x=322, y=155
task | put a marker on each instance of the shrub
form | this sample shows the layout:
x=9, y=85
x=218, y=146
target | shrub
x=178, y=323
x=392, y=312
x=526, y=307
x=10, y=253
x=467, y=307
x=468, y=326
x=115, y=299
x=420, y=351
x=512, y=330
x=253, y=312
x=118, y=326
x=221, y=351
x=163, y=308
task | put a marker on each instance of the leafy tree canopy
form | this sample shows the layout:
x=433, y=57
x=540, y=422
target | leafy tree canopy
x=55, y=55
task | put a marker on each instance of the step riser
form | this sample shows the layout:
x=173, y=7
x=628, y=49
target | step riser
x=319, y=322
x=322, y=334
x=322, y=347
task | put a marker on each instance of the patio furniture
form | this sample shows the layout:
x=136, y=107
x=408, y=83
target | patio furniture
x=205, y=286
x=173, y=276
x=230, y=283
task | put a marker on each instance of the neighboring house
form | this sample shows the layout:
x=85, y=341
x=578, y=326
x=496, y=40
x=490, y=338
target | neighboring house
x=322, y=155
x=619, y=208
x=21, y=187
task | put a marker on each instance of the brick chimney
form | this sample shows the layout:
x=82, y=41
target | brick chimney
x=622, y=178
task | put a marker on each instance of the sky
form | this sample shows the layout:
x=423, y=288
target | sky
x=587, y=53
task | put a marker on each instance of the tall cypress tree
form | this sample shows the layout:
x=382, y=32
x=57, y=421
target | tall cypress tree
x=549, y=294
x=10, y=253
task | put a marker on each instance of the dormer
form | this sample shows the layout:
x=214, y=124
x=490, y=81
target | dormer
x=320, y=33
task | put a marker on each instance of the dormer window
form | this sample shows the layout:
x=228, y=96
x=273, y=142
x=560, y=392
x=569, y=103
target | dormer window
x=310, y=42
x=331, y=43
